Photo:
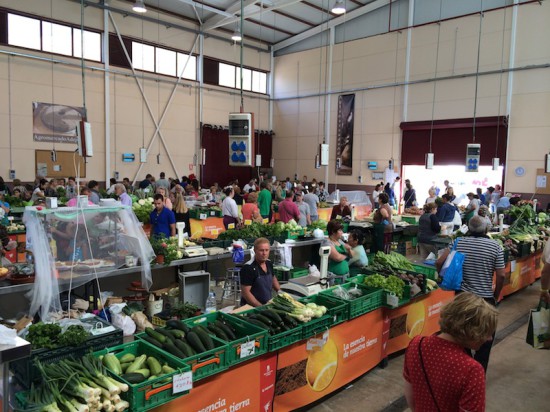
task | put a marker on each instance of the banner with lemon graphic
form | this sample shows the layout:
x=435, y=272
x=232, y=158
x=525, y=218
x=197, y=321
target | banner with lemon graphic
x=519, y=274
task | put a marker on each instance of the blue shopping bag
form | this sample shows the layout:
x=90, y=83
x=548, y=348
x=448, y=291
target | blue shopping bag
x=451, y=272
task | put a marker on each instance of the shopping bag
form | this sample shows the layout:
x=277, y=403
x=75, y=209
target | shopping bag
x=538, y=331
x=451, y=272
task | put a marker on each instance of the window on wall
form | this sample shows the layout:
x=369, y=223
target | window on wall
x=163, y=61
x=229, y=75
x=51, y=37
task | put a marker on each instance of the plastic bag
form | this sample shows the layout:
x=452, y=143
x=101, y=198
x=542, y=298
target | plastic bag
x=340, y=292
x=313, y=271
x=546, y=252
x=120, y=320
x=451, y=272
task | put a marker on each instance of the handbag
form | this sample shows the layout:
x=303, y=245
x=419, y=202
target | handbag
x=538, y=331
x=425, y=374
x=451, y=272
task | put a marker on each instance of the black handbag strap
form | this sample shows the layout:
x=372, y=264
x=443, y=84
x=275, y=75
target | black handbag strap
x=425, y=374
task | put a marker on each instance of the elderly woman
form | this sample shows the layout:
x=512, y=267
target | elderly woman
x=250, y=209
x=428, y=229
x=123, y=197
x=341, y=210
x=484, y=213
x=161, y=190
x=431, y=196
x=439, y=374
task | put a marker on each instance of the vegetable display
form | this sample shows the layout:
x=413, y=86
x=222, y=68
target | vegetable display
x=304, y=313
x=394, y=260
x=76, y=385
x=391, y=284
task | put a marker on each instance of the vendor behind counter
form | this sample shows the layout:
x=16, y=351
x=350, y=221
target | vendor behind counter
x=339, y=251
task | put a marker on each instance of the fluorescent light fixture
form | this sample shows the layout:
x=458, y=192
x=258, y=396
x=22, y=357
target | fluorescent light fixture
x=237, y=35
x=339, y=7
x=139, y=6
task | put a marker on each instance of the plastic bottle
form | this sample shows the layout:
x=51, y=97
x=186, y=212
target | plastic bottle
x=77, y=255
x=210, y=305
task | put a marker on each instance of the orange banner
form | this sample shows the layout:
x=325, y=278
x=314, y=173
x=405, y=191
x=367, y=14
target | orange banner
x=208, y=228
x=520, y=273
x=539, y=263
x=324, y=213
x=310, y=370
x=247, y=387
x=420, y=317
x=362, y=212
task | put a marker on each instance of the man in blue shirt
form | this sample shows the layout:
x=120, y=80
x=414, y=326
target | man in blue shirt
x=445, y=212
x=162, y=219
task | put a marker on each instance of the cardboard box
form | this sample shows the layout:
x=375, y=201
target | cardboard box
x=410, y=249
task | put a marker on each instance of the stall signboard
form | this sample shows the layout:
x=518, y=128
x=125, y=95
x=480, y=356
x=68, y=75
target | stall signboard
x=519, y=274
x=362, y=211
x=247, y=387
x=420, y=317
x=208, y=228
x=312, y=369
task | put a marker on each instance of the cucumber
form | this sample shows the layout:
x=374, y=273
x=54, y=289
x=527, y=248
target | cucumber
x=170, y=347
x=258, y=323
x=195, y=342
x=155, y=335
x=133, y=377
x=204, y=337
x=152, y=341
x=227, y=329
x=176, y=324
x=166, y=333
x=272, y=315
x=176, y=333
x=262, y=318
x=154, y=366
x=185, y=348
x=129, y=357
x=218, y=332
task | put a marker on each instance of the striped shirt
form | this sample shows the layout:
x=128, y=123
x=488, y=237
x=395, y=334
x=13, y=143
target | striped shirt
x=483, y=257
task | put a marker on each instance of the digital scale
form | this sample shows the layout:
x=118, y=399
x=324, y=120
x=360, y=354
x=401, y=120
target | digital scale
x=310, y=285
x=194, y=251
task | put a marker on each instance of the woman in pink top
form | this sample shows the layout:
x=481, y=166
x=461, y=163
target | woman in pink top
x=167, y=202
x=250, y=209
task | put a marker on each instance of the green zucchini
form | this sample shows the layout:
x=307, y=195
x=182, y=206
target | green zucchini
x=227, y=329
x=176, y=324
x=152, y=341
x=154, y=365
x=144, y=371
x=155, y=335
x=170, y=347
x=258, y=323
x=133, y=377
x=167, y=369
x=111, y=362
x=124, y=366
x=176, y=333
x=274, y=316
x=128, y=357
x=218, y=332
x=204, y=337
x=137, y=364
x=195, y=342
x=166, y=333
x=185, y=348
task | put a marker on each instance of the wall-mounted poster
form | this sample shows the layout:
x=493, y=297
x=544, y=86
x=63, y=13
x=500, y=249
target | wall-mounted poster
x=55, y=123
x=344, y=135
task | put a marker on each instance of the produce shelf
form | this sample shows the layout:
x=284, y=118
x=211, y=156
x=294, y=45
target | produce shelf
x=369, y=301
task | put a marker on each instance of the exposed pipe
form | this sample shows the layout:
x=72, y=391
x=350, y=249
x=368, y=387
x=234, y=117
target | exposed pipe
x=270, y=83
x=107, y=97
x=408, y=62
x=328, y=94
x=201, y=101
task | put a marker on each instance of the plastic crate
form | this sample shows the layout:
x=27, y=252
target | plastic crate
x=245, y=332
x=207, y=363
x=298, y=272
x=282, y=275
x=214, y=243
x=282, y=339
x=150, y=393
x=294, y=234
x=336, y=309
x=429, y=271
x=359, y=279
x=26, y=373
x=354, y=271
x=410, y=219
x=524, y=249
x=369, y=301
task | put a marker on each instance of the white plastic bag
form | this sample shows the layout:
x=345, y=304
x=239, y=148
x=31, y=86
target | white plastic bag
x=546, y=252
x=313, y=271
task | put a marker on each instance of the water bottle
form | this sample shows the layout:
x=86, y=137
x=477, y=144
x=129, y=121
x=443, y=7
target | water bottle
x=210, y=305
x=77, y=255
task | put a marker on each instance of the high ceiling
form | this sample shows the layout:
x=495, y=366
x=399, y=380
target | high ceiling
x=267, y=21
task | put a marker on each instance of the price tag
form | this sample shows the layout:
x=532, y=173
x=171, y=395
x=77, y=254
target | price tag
x=266, y=220
x=182, y=382
x=231, y=226
x=247, y=222
x=215, y=231
x=248, y=349
x=203, y=216
x=512, y=265
x=212, y=213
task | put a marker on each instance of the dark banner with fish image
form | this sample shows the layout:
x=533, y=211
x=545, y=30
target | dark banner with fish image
x=344, y=136
x=55, y=122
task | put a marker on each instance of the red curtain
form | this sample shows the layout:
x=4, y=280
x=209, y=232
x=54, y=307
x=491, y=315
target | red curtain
x=449, y=140
x=215, y=139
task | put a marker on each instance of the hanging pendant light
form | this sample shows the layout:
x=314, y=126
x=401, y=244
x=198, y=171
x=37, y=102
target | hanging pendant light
x=339, y=7
x=237, y=36
x=139, y=6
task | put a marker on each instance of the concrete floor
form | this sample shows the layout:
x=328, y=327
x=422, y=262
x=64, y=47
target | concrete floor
x=518, y=377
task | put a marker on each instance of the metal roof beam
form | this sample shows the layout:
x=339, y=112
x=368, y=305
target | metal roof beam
x=232, y=10
x=201, y=6
x=225, y=22
x=331, y=23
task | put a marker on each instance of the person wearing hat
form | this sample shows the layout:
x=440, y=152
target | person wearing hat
x=503, y=203
x=483, y=257
x=473, y=207
x=484, y=213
